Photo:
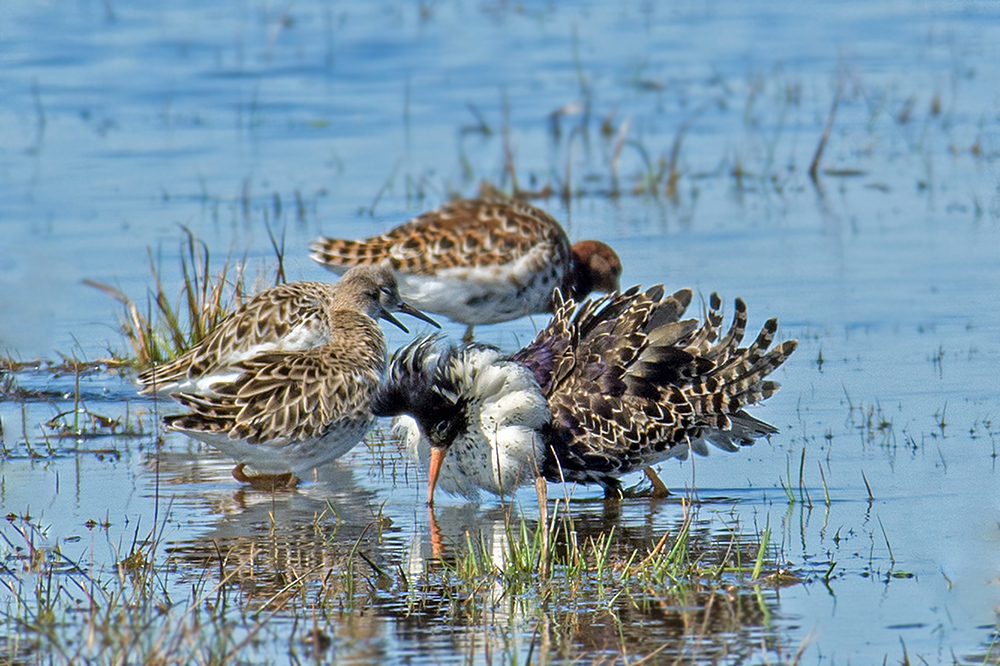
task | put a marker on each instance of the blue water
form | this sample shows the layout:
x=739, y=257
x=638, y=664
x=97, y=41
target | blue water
x=121, y=123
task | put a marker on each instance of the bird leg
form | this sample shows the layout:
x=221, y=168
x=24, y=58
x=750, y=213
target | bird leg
x=467, y=337
x=286, y=480
x=542, y=490
x=613, y=493
x=659, y=490
x=238, y=473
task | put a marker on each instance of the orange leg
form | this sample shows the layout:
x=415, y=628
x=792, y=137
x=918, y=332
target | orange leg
x=265, y=481
x=239, y=474
x=660, y=490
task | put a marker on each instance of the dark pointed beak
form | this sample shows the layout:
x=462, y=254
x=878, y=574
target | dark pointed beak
x=413, y=312
x=388, y=317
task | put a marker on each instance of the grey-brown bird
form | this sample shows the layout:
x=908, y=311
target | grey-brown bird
x=284, y=383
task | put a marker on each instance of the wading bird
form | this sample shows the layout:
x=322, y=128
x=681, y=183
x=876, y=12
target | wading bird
x=284, y=383
x=481, y=261
x=610, y=386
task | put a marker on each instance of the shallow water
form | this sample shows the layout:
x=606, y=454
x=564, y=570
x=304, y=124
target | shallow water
x=123, y=122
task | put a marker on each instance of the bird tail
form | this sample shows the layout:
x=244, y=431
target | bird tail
x=339, y=255
x=737, y=378
x=165, y=377
x=205, y=416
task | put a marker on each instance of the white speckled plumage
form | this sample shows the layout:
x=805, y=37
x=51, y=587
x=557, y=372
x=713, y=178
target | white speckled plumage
x=509, y=411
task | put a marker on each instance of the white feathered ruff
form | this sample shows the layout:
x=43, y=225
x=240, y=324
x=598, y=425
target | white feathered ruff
x=501, y=449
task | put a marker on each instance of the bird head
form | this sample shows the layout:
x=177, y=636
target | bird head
x=418, y=385
x=473, y=399
x=596, y=267
x=375, y=287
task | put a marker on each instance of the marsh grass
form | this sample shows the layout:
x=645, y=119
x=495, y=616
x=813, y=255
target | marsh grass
x=874, y=425
x=600, y=564
x=74, y=421
x=213, y=601
x=777, y=111
x=64, y=609
x=61, y=609
x=160, y=329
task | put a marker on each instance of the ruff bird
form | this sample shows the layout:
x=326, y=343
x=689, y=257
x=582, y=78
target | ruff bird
x=481, y=261
x=610, y=386
x=283, y=384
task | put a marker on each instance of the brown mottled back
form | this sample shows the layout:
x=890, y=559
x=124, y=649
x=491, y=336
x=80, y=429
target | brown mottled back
x=630, y=384
x=466, y=231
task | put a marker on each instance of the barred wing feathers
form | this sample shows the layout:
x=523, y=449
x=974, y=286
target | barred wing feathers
x=284, y=318
x=630, y=384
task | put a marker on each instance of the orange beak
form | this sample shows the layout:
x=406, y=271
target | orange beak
x=437, y=458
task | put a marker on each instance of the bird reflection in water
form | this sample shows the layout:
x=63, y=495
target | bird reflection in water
x=700, y=618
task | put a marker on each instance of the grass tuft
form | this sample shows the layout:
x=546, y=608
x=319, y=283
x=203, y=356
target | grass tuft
x=164, y=326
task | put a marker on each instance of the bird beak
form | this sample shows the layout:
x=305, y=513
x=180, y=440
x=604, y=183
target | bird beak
x=388, y=317
x=413, y=312
x=437, y=458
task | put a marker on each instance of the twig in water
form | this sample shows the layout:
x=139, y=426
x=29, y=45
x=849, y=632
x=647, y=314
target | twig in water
x=870, y=496
x=814, y=167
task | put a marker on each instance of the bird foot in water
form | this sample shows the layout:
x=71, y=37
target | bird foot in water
x=658, y=489
x=285, y=481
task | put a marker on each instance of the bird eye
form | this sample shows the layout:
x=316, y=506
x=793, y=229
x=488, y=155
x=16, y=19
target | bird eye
x=440, y=430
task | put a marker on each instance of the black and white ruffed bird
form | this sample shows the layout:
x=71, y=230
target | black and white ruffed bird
x=609, y=387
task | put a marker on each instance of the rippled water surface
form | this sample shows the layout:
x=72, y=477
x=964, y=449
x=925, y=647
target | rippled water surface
x=123, y=124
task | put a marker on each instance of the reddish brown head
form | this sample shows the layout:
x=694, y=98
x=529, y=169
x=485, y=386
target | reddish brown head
x=596, y=267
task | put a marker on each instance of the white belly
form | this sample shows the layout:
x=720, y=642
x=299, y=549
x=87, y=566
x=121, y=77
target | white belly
x=298, y=456
x=482, y=295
